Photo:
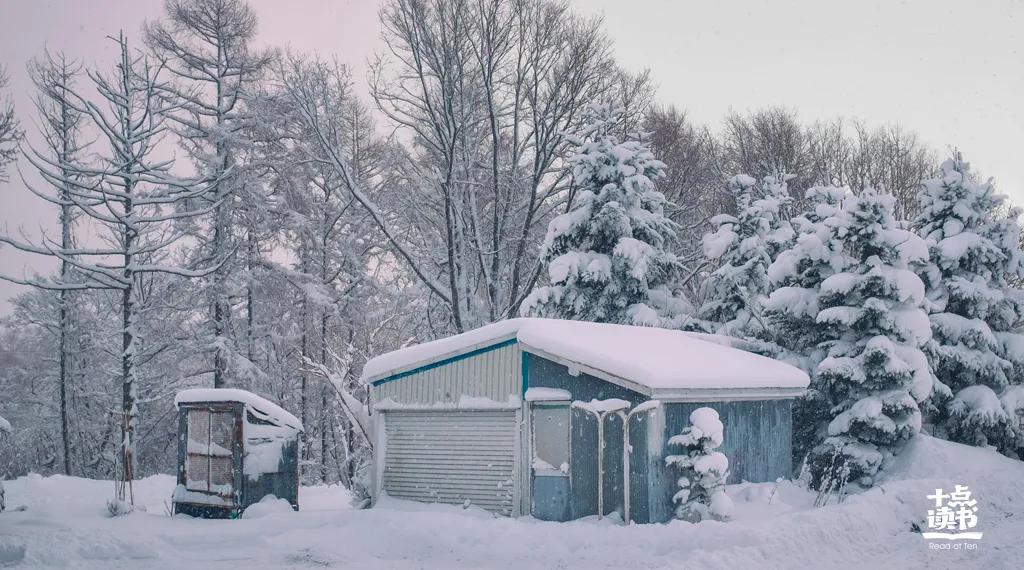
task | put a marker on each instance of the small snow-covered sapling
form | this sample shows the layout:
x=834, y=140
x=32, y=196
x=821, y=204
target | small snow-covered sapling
x=703, y=470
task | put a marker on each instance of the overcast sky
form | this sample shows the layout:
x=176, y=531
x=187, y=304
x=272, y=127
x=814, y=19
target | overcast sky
x=953, y=71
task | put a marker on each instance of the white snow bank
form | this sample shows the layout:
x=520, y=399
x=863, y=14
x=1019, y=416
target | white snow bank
x=267, y=507
x=654, y=358
x=262, y=406
x=927, y=457
x=772, y=526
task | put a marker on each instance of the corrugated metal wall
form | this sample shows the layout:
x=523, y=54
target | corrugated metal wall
x=757, y=442
x=454, y=457
x=583, y=454
x=494, y=374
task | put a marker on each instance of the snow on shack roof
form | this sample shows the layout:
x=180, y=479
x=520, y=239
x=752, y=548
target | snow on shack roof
x=651, y=359
x=263, y=406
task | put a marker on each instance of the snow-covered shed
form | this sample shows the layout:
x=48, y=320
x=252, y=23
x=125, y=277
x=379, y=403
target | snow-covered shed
x=234, y=448
x=487, y=417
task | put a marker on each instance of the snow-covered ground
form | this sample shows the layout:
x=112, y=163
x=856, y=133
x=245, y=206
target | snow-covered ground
x=65, y=524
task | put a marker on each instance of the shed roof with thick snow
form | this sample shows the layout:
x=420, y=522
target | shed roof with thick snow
x=653, y=361
x=262, y=406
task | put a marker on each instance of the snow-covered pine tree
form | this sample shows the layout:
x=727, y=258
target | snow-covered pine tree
x=875, y=372
x=744, y=246
x=703, y=470
x=791, y=309
x=608, y=257
x=974, y=254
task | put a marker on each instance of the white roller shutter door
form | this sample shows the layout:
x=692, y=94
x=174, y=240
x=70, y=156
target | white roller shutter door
x=455, y=457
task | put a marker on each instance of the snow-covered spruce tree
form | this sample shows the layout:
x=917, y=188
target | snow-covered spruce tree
x=608, y=257
x=744, y=246
x=974, y=254
x=703, y=470
x=875, y=372
x=791, y=309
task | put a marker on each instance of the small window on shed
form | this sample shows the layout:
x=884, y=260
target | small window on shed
x=551, y=439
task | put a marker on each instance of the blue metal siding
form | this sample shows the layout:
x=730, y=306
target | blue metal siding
x=551, y=498
x=544, y=373
x=757, y=443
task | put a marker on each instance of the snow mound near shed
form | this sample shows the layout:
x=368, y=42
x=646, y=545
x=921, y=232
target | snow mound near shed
x=267, y=507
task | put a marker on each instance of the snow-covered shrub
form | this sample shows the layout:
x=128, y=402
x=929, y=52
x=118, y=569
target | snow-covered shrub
x=1012, y=399
x=874, y=373
x=701, y=492
x=744, y=246
x=974, y=256
x=609, y=258
x=117, y=507
x=977, y=417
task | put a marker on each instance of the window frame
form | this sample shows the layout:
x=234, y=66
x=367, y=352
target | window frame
x=207, y=486
x=550, y=404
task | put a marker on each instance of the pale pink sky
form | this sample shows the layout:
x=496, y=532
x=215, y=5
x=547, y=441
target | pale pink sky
x=951, y=70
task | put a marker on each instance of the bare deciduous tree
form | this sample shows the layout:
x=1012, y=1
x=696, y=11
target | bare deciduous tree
x=10, y=131
x=484, y=94
x=132, y=194
x=205, y=44
x=60, y=125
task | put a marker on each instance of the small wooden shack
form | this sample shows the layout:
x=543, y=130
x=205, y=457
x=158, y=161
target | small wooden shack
x=487, y=417
x=234, y=448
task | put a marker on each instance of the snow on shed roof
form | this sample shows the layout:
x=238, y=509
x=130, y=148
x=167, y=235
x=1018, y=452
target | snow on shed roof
x=648, y=359
x=262, y=405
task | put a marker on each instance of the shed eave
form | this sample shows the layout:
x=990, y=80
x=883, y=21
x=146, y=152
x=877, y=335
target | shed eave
x=726, y=394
